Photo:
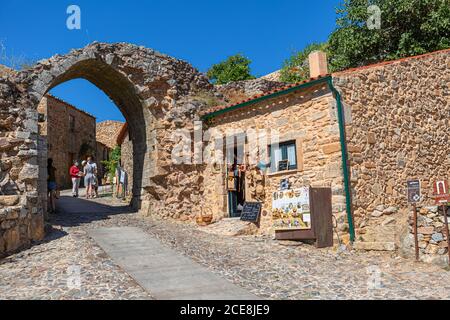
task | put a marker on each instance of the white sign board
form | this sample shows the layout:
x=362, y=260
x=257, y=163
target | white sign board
x=291, y=209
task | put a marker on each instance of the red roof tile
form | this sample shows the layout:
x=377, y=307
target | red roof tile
x=384, y=63
x=289, y=86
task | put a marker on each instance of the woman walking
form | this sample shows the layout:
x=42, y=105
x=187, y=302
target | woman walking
x=90, y=170
x=51, y=186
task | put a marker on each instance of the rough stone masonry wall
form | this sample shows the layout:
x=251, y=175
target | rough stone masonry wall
x=307, y=117
x=400, y=130
x=127, y=161
x=21, y=214
x=152, y=90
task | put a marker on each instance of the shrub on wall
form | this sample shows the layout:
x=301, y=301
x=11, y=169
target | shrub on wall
x=235, y=68
x=296, y=68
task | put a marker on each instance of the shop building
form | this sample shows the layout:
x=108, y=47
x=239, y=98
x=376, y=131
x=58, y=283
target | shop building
x=363, y=133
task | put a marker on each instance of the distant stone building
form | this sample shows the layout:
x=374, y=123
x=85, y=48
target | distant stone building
x=70, y=135
x=107, y=133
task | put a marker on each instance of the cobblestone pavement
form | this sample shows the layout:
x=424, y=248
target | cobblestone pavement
x=263, y=266
x=68, y=265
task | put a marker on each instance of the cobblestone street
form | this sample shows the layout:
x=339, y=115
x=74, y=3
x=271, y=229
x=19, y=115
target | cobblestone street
x=264, y=267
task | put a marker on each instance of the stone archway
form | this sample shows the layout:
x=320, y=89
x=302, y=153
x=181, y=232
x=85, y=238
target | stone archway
x=150, y=89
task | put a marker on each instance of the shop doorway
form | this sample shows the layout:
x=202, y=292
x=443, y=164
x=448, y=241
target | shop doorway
x=236, y=176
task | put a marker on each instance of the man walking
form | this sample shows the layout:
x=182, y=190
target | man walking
x=75, y=174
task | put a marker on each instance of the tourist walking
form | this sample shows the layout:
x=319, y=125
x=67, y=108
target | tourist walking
x=76, y=175
x=51, y=186
x=124, y=183
x=90, y=171
x=120, y=178
x=96, y=182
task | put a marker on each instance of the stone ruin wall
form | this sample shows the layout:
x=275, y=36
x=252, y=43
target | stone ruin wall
x=127, y=162
x=177, y=191
x=400, y=130
x=21, y=210
x=154, y=93
x=309, y=117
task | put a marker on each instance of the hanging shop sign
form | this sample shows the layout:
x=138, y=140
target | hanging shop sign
x=251, y=212
x=291, y=209
x=441, y=192
x=284, y=184
x=414, y=192
x=231, y=182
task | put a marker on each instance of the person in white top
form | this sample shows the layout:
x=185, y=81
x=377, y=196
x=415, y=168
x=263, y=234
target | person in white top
x=90, y=178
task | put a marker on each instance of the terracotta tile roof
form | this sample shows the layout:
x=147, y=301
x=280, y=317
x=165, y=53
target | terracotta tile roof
x=107, y=132
x=384, y=63
x=266, y=94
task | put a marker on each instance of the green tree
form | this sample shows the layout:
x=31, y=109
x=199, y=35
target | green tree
x=408, y=27
x=235, y=68
x=296, y=68
x=113, y=162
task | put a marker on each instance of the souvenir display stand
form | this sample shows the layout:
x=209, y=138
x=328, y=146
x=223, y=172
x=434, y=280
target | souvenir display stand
x=304, y=214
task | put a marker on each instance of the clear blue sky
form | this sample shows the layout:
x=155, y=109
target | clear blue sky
x=202, y=32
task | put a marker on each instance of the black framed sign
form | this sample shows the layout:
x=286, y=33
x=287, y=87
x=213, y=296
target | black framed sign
x=251, y=212
x=283, y=165
x=414, y=191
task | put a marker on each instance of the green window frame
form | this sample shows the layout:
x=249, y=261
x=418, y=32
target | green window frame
x=287, y=151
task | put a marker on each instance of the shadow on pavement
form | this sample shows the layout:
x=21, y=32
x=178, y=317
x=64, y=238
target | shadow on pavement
x=73, y=212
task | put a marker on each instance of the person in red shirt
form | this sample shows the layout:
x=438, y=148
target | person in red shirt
x=75, y=174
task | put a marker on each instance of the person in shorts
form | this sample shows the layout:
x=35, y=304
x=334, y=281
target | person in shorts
x=90, y=172
x=51, y=186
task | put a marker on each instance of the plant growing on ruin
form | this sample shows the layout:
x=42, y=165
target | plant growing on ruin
x=207, y=98
x=16, y=62
x=405, y=28
x=113, y=162
x=296, y=68
x=235, y=68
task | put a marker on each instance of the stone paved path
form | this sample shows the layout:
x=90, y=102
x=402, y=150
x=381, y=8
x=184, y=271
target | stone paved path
x=262, y=266
x=162, y=271
x=68, y=264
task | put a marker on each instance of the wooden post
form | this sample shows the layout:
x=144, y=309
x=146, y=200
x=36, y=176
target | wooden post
x=416, y=236
x=444, y=208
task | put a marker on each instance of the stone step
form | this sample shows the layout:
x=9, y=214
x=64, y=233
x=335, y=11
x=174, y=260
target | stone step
x=375, y=246
x=232, y=227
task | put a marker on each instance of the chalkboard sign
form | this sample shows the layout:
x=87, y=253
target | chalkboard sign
x=251, y=212
x=283, y=165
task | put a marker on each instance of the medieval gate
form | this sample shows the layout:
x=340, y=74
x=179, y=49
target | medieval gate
x=150, y=89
